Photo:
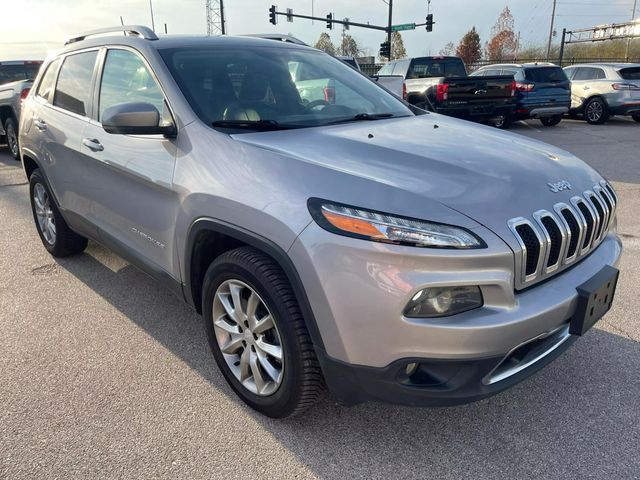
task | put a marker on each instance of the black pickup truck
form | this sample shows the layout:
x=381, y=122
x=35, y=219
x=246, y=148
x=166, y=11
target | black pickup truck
x=442, y=83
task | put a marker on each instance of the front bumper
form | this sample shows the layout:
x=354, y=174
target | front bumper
x=358, y=290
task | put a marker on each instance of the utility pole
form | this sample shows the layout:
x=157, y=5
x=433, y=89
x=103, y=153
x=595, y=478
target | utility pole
x=553, y=17
x=153, y=23
x=215, y=17
x=389, y=28
x=633, y=15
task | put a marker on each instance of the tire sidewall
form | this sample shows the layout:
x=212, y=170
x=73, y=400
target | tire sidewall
x=11, y=126
x=603, y=117
x=285, y=398
x=36, y=177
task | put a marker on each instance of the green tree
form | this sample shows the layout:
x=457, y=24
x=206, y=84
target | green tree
x=469, y=49
x=325, y=44
x=503, y=42
x=397, y=46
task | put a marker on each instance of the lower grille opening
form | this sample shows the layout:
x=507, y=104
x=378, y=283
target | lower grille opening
x=528, y=354
x=532, y=244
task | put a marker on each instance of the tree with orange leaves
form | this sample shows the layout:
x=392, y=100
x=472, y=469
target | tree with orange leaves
x=503, y=42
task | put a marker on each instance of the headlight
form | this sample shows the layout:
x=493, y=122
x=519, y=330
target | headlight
x=443, y=301
x=382, y=227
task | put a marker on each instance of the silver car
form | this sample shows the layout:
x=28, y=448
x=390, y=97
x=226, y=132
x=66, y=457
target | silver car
x=356, y=242
x=600, y=90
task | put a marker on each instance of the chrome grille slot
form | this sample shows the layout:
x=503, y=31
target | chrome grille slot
x=557, y=238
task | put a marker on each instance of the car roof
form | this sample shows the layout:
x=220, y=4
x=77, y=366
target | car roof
x=521, y=65
x=148, y=40
x=604, y=64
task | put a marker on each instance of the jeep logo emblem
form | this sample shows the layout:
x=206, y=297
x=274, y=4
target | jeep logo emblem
x=559, y=186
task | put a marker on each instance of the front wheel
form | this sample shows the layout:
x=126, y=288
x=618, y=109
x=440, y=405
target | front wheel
x=595, y=111
x=551, y=121
x=257, y=334
x=56, y=236
x=11, y=129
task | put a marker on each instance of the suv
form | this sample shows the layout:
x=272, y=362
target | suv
x=542, y=91
x=603, y=89
x=16, y=77
x=388, y=253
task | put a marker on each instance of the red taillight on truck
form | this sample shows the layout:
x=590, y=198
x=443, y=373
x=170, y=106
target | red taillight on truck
x=404, y=91
x=24, y=93
x=524, y=87
x=442, y=92
x=330, y=95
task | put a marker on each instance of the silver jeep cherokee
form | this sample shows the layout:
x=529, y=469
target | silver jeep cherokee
x=347, y=239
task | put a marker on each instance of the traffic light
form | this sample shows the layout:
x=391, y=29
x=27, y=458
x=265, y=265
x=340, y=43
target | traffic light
x=430, y=22
x=385, y=50
x=272, y=15
x=329, y=21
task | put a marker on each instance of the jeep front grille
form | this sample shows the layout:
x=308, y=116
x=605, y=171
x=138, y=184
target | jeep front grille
x=551, y=240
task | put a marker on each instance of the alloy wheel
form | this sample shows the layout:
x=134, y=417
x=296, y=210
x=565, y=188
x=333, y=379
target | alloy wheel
x=44, y=213
x=595, y=110
x=248, y=337
x=12, y=139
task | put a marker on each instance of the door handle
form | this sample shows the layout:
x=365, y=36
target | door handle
x=585, y=88
x=93, y=144
x=40, y=124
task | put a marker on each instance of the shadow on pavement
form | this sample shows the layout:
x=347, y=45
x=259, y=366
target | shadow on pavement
x=579, y=417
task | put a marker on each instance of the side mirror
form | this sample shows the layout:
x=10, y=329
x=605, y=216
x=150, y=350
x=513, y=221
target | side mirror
x=135, y=119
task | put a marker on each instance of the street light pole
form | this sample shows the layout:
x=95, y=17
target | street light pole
x=633, y=15
x=553, y=17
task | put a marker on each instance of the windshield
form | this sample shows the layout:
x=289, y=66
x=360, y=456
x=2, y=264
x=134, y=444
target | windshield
x=278, y=87
x=18, y=71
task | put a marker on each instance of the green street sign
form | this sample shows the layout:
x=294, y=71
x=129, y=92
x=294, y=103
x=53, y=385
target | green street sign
x=404, y=26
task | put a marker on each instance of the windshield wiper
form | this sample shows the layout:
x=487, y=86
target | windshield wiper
x=260, y=125
x=363, y=116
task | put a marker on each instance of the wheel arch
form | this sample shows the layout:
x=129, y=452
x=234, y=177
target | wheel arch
x=588, y=99
x=208, y=238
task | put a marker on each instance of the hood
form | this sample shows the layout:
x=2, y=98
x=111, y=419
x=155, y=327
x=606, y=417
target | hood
x=486, y=174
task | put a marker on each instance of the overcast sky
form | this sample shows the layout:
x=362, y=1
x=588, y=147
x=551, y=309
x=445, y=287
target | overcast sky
x=29, y=28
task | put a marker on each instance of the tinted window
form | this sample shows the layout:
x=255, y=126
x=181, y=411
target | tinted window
x=126, y=79
x=569, y=72
x=48, y=80
x=427, y=68
x=545, y=74
x=73, y=90
x=589, y=73
x=490, y=71
x=16, y=71
x=632, y=73
x=289, y=86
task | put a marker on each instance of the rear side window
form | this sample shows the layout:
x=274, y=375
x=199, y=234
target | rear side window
x=387, y=69
x=631, y=73
x=589, y=73
x=73, y=91
x=545, y=74
x=427, y=68
x=126, y=79
x=48, y=81
x=16, y=71
x=401, y=67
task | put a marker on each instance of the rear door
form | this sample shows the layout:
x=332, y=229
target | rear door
x=130, y=177
x=586, y=82
x=551, y=87
x=60, y=120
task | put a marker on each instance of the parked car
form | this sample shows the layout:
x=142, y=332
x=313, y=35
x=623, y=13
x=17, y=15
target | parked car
x=16, y=77
x=442, y=83
x=543, y=91
x=600, y=90
x=386, y=252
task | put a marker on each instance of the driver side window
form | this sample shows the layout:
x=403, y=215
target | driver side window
x=126, y=79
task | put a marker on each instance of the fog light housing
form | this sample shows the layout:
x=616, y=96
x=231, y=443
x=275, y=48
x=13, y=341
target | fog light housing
x=443, y=301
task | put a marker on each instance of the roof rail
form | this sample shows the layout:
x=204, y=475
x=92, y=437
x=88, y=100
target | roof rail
x=278, y=37
x=139, y=30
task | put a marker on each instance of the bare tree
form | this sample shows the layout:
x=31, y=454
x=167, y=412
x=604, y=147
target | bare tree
x=448, y=50
x=349, y=46
x=325, y=44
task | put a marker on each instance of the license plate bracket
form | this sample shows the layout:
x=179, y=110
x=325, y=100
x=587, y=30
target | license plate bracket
x=595, y=297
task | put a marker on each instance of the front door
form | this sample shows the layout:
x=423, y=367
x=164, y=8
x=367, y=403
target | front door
x=134, y=204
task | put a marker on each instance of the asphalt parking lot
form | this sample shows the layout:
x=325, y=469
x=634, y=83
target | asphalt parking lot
x=105, y=375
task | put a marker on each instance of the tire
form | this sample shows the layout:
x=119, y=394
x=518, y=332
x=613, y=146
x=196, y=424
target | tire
x=636, y=117
x=11, y=129
x=595, y=111
x=59, y=240
x=504, y=123
x=551, y=121
x=295, y=380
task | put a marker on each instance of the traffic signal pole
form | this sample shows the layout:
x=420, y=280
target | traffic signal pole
x=389, y=28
